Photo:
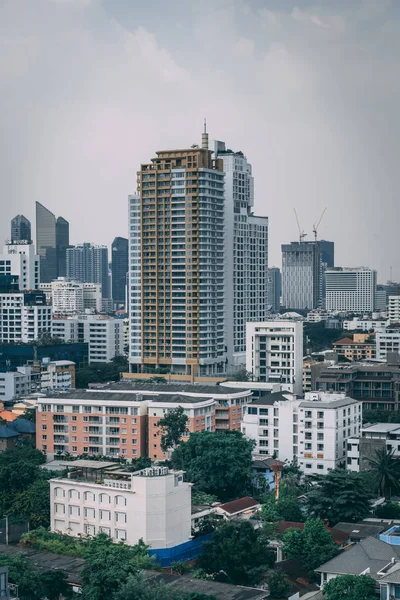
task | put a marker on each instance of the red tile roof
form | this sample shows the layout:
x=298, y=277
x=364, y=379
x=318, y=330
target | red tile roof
x=239, y=505
x=345, y=341
x=339, y=537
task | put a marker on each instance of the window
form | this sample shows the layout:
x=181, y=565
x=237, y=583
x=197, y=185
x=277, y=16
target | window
x=105, y=499
x=74, y=511
x=105, y=515
x=120, y=534
x=320, y=467
x=120, y=500
x=120, y=517
x=252, y=410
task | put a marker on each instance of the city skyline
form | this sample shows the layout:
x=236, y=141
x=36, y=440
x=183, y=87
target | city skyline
x=307, y=93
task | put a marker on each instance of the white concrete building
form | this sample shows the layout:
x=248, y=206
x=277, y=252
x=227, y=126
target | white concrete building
x=246, y=254
x=394, y=309
x=387, y=341
x=20, y=259
x=14, y=385
x=24, y=317
x=274, y=352
x=316, y=316
x=366, y=324
x=69, y=297
x=350, y=290
x=315, y=430
x=105, y=335
x=370, y=439
x=153, y=504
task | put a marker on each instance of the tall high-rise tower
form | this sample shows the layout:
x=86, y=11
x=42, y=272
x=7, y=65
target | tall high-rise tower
x=62, y=243
x=246, y=254
x=89, y=264
x=21, y=229
x=176, y=264
x=46, y=243
x=119, y=269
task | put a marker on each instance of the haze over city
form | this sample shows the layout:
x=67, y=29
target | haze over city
x=90, y=89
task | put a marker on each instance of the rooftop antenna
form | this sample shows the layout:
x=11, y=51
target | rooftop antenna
x=204, y=137
x=302, y=235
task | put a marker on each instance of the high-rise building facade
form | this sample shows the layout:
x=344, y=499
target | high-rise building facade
x=246, y=254
x=350, y=290
x=24, y=316
x=52, y=240
x=89, y=263
x=119, y=269
x=177, y=264
x=21, y=229
x=303, y=273
x=20, y=260
x=394, y=309
x=62, y=243
x=274, y=289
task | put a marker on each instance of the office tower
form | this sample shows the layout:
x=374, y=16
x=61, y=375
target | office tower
x=275, y=352
x=350, y=290
x=20, y=260
x=246, y=253
x=89, y=264
x=21, y=229
x=303, y=273
x=46, y=242
x=62, y=243
x=119, y=269
x=274, y=289
x=177, y=264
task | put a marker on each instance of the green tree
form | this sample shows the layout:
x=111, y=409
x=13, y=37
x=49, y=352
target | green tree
x=55, y=584
x=389, y=510
x=143, y=462
x=34, y=502
x=313, y=546
x=236, y=554
x=34, y=585
x=340, y=496
x=385, y=468
x=278, y=585
x=286, y=508
x=173, y=426
x=353, y=587
x=218, y=463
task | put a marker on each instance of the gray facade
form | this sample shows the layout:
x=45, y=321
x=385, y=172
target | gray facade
x=119, y=269
x=274, y=289
x=89, y=264
x=52, y=240
x=21, y=229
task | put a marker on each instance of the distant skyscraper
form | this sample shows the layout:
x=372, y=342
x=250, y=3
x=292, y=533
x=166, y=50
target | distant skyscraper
x=303, y=273
x=89, y=264
x=21, y=229
x=62, y=243
x=246, y=253
x=119, y=269
x=352, y=290
x=274, y=289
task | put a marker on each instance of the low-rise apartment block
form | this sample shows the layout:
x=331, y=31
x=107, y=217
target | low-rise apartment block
x=394, y=309
x=24, y=317
x=388, y=341
x=122, y=419
x=371, y=439
x=315, y=430
x=100, y=497
x=357, y=324
x=358, y=348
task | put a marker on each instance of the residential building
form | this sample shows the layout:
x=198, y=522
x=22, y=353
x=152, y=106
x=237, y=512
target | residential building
x=317, y=316
x=119, y=270
x=177, y=265
x=303, y=268
x=274, y=292
x=394, y=309
x=246, y=254
x=308, y=362
x=13, y=356
x=359, y=348
x=16, y=433
x=57, y=375
x=14, y=385
x=68, y=297
x=19, y=259
x=372, y=438
x=21, y=230
x=105, y=335
x=24, y=317
x=381, y=299
x=89, y=264
x=314, y=431
x=376, y=385
x=275, y=352
x=388, y=342
x=52, y=239
x=350, y=290
x=117, y=407
x=365, y=324
x=153, y=505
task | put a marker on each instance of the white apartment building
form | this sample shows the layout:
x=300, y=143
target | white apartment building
x=105, y=335
x=387, y=341
x=316, y=316
x=350, y=290
x=274, y=352
x=69, y=297
x=357, y=324
x=315, y=430
x=394, y=309
x=246, y=254
x=370, y=439
x=14, y=385
x=153, y=504
x=24, y=317
x=20, y=259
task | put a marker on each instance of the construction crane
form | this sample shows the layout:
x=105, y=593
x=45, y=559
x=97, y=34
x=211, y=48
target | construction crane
x=302, y=235
x=315, y=227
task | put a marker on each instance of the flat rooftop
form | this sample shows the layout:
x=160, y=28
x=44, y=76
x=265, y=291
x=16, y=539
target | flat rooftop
x=191, y=388
x=88, y=464
x=381, y=427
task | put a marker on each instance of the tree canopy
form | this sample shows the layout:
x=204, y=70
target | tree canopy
x=237, y=554
x=218, y=463
x=286, y=508
x=353, y=587
x=34, y=585
x=340, y=496
x=278, y=585
x=385, y=468
x=173, y=426
x=312, y=546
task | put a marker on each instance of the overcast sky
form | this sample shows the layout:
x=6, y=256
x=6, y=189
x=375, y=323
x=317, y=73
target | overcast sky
x=308, y=90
